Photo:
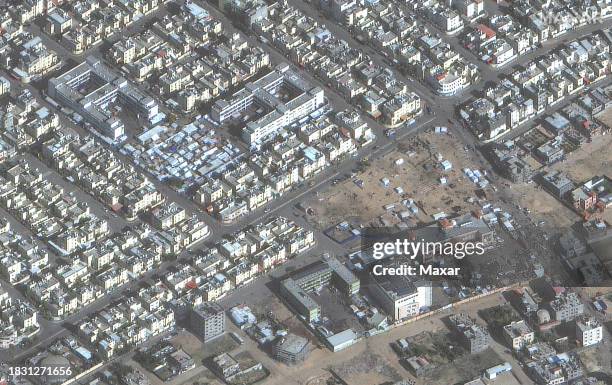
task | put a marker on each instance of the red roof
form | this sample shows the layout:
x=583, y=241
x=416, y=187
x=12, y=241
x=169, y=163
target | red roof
x=117, y=207
x=486, y=30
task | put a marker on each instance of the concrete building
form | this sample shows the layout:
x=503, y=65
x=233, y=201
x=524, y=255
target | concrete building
x=589, y=331
x=291, y=349
x=555, y=370
x=58, y=21
x=297, y=288
x=518, y=335
x=5, y=85
x=167, y=216
x=557, y=183
x=91, y=87
x=585, y=196
x=550, y=152
x=469, y=8
x=447, y=84
x=464, y=228
x=225, y=365
x=399, y=296
x=342, y=277
x=207, y=321
x=474, y=337
x=566, y=307
x=35, y=59
x=448, y=20
x=401, y=108
x=263, y=93
x=300, y=300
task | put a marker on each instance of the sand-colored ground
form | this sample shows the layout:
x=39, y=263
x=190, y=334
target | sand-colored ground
x=590, y=159
x=375, y=349
x=199, y=374
x=542, y=206
x=606, y=117
x=596, y=359
x=418, y=176
x=199, y=351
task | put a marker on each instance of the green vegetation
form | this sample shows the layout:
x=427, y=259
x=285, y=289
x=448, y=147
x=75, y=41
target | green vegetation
x=498, y=316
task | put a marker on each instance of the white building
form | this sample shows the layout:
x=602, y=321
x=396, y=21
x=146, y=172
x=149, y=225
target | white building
x=469, y=8
x=5, y=85
x=91, y=87
x=518, y=335
x=589, y=331
x=447, y=19
x=448, y=84
x=399, y=297
x=264, y=94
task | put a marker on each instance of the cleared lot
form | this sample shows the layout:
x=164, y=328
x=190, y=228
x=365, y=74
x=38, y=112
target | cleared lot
x=412, y=171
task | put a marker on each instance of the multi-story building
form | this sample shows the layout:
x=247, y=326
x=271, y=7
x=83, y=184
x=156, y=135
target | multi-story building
x=91, y=87
x=300, y=300
x=589, y=331
x=474, y=337
x=566, y=307
x=5, y=85
x=399, y=296
x=35, y=59
x=469, y=8
x=556, y=370
x=167, y=216
x=557, y=183
x=401, y=108
x=464, y=228
x=207, y=321
x=263, y=92
x=297, y=288
x=447, y=19
x=585, y=196
x=58, y=21
x=518, y=335
x=291, y=349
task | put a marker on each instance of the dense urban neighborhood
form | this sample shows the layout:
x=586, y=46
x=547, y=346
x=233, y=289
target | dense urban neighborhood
x=218, y=192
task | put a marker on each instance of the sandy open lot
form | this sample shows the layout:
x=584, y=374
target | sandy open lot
x=606, y=117
x=591, y=159
x=542, y=206
x=199, y=374
x=415, y=168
